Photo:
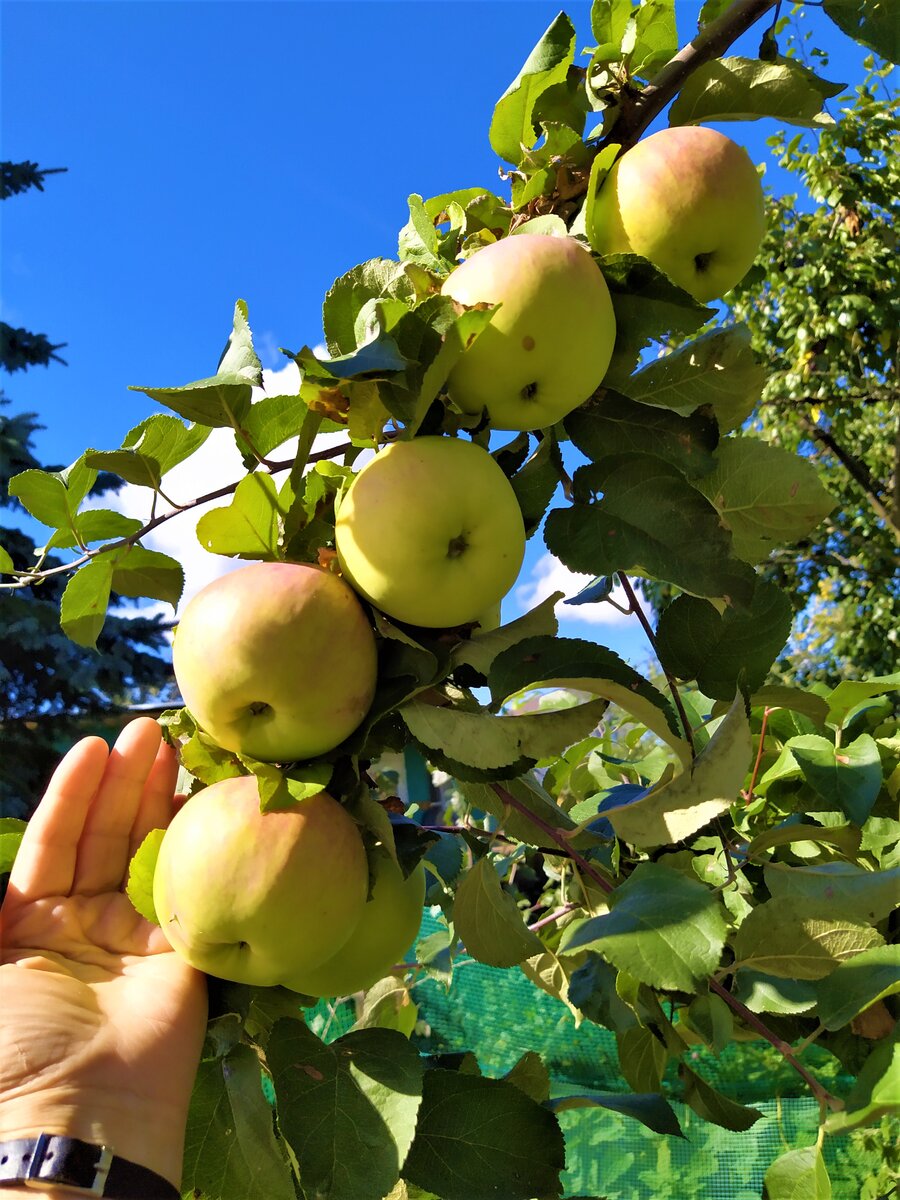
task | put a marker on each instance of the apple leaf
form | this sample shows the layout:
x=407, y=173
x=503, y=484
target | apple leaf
x=139, y=887
x=765, y=993
x=742, y=89
x=609, y=19
x=529, y=794
x=230, y=1146
x=269, y=423
x=672, y=811
x=348, y=294
x=93, y=525
x=531, y=1076
x=220, y=402
x=141, y=572
x=695, y=641
x=248, y=527
x=776, y=696
x=239, y=358
x=53, y=497
x=856, y=984
x=651, y=1109
x=389, y=1005
x=766, y=496
x=207, y=761
x=792, y=942
x=479, y=1138
x=512, y=129
x=850, y=692
x=616, y=425
x=798, y=1175
x=541, y=662
x=717, y=369
x=536, y=483
x=483, y=648
x=348, y=1110
x=649, y=308
x=489, y=922
x=6, y=563
x=846, y=777
x=839, y=889
x=876, y=1092
x=11, y=831
x=710, y=10
x=642, y=1058
x=875, y=25
x=663, y=928
x=650, y=38
x=489, y=742
x=84, y=602
x=649, y=519
x=419, y=241
x=847, y=837
x=150, y=449
x=711, y=1105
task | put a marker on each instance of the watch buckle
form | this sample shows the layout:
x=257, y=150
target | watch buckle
x=34, y=1180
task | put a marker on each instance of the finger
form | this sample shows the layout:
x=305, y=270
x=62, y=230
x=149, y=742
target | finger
x=45, y=863
x=157, y=802
x=103, y=848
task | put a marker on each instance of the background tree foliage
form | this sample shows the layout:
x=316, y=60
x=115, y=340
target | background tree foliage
x=49, y=685
x=822, y=306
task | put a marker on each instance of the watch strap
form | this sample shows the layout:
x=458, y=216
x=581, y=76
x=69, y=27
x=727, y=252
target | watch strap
x=53, y=1161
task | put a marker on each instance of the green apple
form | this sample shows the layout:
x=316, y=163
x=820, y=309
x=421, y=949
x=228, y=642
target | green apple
x=276, y=661
x=430, y=532
x=259, y=897
x=547, y=347
x=387, y=928
x=689, y=200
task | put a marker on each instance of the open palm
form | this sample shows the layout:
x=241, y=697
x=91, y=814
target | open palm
x=103, y=1023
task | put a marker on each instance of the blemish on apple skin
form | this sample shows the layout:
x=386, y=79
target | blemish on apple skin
x=527, y=342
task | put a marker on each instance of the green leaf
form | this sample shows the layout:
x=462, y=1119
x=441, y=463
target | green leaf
x=512, y=130
x=489, y=922
x=679, y=807
x=482, y=648
x=140, y=572
x=11, y=831
x=845, y=836
x=83, y=605
x=349, y=293
x=139, y=887
x=792, y=943
x=248, y=527
x=230, y=1147
x=838, y=889
x=857, y=984
x=876, y=1092
x=711, y=1105
x=541, y=662
x=652, y=1110
x=530, y=795
x=850, y=692
x=389, y=1005
x=663, y=928
x=652, y=520
x=6, y=563
x=239, y=358
x=711, y=10
x=150, y=450
x=872, y=22
x=655, y=37
x=766, y=496
x=93, y=525
x=530, y=1075
x=609, y=19
x=536, y=483
x=642, y=1058
x=220, y=402
x=479, y=1138
x=616, y=425
x=695, y=641
x=846, y=777
x=419, y=240
x=272, y=421
x=648, y=308
x=488, y=742
x=53, y=497
x=718, y=369
x=348, y=1110
x=798, y=1175
x=764, y=993
x=808, y=704
x=742, y=89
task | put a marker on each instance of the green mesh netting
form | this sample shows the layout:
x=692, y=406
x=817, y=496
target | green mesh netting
x=498, y=1015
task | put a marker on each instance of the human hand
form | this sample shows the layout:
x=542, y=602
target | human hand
x=102, y=1022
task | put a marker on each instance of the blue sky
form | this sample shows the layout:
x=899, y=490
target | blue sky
x=244, y=149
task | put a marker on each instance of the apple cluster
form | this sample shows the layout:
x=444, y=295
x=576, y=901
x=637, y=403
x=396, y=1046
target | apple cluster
x=278, y=662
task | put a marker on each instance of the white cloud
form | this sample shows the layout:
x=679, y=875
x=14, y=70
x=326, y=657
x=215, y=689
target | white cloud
x=548, y=575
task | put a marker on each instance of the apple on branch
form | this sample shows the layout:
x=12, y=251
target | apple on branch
x=548, y=345
x=259, y=898
x=276, y=661
x=690, y=201
x=430, y=532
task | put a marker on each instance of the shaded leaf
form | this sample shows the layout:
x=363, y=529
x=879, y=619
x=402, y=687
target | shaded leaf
x=489, y=922
x=741, y=89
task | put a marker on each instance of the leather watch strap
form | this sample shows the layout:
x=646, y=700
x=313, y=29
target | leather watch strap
x=82, y=1168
